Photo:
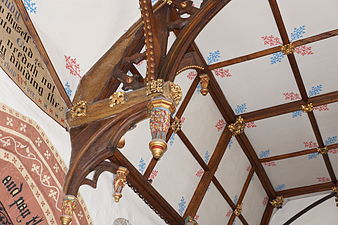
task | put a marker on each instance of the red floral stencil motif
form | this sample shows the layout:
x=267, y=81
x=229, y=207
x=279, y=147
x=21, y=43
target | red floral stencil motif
x=72, y=66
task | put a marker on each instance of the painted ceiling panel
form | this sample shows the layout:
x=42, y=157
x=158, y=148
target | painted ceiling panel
x=298, y=171
x=214, y=209
x=328, y=125
x=257, y=84
x=68, y=30
x=333, y=154
x=318, y=68
x=254, y=202
x=327, y=119
x=233, y=170
x=203, y=123
x=305, y=18
x=176, y=179
x=293, y=132
x=243, y=22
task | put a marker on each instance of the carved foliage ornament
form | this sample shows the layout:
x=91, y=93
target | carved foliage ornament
x=323, y=151
x=176, y=125
x=167, y=89
x=335, y=189
x=68, y=207
x=155, y=86
x=175, y=93
x=287, y=49
x=238, y=210
x=307, y=108
x=79, y=109
x=190, y=221
x=237, y=127
x=116, y=99
x=278, y=202
x=119, y=182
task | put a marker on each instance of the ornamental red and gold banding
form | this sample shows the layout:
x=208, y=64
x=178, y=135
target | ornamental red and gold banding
x=163, y=104
x=68, y=207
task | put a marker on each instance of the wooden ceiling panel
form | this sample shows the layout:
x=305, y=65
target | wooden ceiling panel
x=318, y=70
x=296, y=172
x=256, y=84
x=233, y=170
x=203, y=123
x=315, y=16
x=255, y=201
x=243, y=22
x=282, y=134
x=214, y=209
x=176, y=179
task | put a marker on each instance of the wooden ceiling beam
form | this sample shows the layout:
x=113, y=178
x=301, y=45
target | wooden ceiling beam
x=207, y=177
x=272, y=50
x=277, y=110
x=241, y=197
x=321, y=144
x=300, y=84
x=230, y=117
x=295, y=154
x=223, y=192
x=147, y=192
x=267, y=214
x=254, y=160
x=193, y=150
x=305, y=190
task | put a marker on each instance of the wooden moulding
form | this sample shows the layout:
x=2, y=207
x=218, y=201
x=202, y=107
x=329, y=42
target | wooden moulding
x=147, y=192
x=101, y=109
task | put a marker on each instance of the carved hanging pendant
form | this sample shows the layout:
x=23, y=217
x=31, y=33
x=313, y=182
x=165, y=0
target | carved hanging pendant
x=204, y=81
x=68, y=207
x=119, y=182
x=161, y=109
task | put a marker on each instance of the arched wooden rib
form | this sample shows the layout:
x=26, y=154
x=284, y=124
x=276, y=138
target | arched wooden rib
x=101, y=141
x=197, y=22
x=104, y=166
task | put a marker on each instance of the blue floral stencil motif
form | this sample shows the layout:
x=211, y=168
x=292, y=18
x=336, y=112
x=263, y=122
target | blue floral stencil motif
x=206, y=156
x=241, y=109
x=331, y=140
x=30, y=6
x=182, y=206
x=264, y=154
x=214, y=56
x=280, y=187
x=297, y=33
x=235, y=199
x=172, y=139
x=199, y=88
x=141, y=165
x=276, y=57
x=316, y=90
x=153, y=1
x=297, y=113
x=68, y=90
x=312, y=155
x=230, y=143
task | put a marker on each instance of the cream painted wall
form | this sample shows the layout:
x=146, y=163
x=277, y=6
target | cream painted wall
x=101, y=207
